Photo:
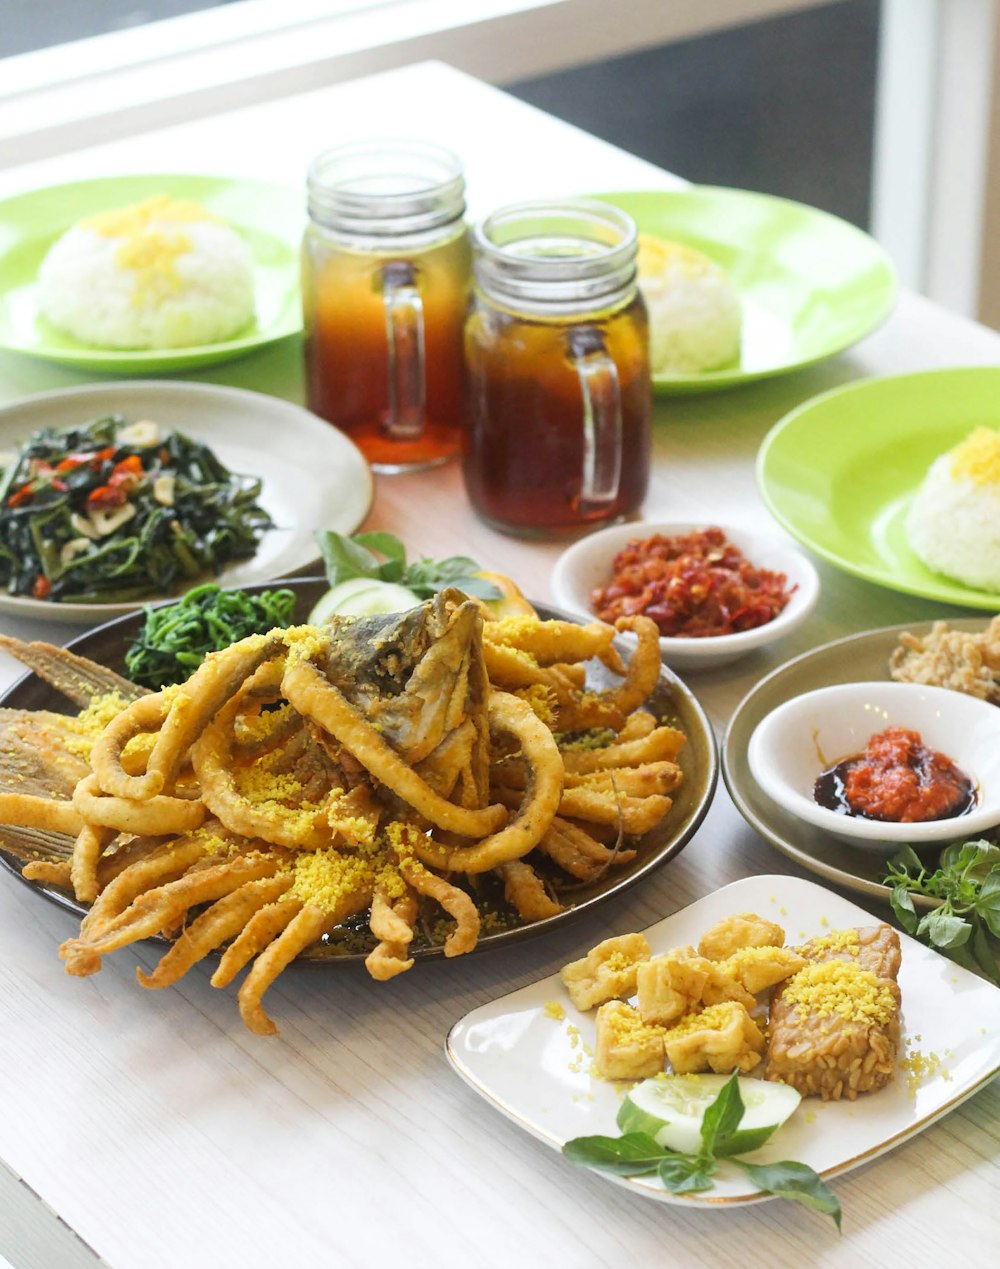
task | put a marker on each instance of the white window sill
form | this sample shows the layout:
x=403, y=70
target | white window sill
x=169, y=72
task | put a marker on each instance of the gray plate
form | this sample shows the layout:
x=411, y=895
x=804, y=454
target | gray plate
x=856, y=659
x=671, y=699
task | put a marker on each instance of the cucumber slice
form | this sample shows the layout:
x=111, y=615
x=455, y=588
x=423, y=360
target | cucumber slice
x=671, y=1108
x=362, y=597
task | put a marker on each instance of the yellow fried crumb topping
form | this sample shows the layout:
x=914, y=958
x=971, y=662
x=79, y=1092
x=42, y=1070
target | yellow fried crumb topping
x=305, y=643
x=90, y=722
x=977, y=458
x=323, y=878
x=922, y=1066
x=839, y=941
x=258, y=727
x=841, y=989
x=715, y=1017
x=553, y=1009
x=542, y=700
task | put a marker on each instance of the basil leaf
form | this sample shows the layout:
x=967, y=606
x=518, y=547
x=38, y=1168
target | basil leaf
x=631, y=1155
x=343, y=557
x=478, y=586
x=796, y=1181
x=907, y=860
x=902, y=905
x=944, y=929
x=983, y=953
x=987, y=903
x=745, y=1140
x=387, y=544
x=682, y=1174
x=722, y=1118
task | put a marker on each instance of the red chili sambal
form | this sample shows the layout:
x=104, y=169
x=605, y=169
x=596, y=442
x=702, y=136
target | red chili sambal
x=897, y=779
x=693, y=585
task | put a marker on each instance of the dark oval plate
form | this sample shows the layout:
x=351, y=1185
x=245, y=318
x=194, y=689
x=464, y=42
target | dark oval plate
x=672, y=700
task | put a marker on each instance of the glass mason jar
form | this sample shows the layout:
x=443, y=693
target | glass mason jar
x=557, y=355
x=386, y=274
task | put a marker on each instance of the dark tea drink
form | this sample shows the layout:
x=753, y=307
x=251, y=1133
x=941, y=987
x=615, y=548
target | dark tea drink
x=556, y=350
x=385, y=283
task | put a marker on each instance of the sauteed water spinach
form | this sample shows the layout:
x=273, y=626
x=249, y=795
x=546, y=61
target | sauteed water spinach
x=112, y=511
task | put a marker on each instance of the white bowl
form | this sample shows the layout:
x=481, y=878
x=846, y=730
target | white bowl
x=587, y=564
x=799, y=740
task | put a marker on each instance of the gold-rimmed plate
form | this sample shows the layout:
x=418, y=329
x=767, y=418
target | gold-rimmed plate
x=530, y=1060
x=671, y=700
x=862, y=658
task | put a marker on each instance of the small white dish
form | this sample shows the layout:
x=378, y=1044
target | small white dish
x=529, y=1053
x=807, y=735
x=586, y=565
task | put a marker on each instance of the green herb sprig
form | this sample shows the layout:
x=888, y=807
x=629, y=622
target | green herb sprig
x=967, y=880
x=174, y=639
x=359, y=556
x=638, y=1154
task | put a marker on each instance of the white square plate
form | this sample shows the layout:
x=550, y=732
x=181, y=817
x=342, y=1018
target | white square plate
x=536, y=1068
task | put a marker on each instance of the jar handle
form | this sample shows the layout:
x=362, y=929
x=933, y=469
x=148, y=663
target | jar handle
x=404, y=332
x=602, y=417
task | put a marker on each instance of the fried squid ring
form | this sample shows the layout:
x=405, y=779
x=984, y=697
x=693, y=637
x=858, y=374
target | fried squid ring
x=314, y=695
x=525, y=891
x=577, y=853
x=635, y=815
x=662, y=744
x=212, y=756
x=144, y=715
x=644, y=665
x=224, y=919
x=157, y=816
x=553, y=642
x=302, y=931
x=260, y=930
x=48, y=873
x=32, y=811
x=218, y=678
x=165, y=862
x=544, y=789
x=155, y=910
x=392, y=924
x=88, y=848
x=454, y=901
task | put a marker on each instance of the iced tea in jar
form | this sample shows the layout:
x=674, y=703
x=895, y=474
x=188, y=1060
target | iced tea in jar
x=386, y=276
x=557, y=355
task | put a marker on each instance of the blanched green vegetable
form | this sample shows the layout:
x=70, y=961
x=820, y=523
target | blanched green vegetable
x=176, y=638
x=111, y=512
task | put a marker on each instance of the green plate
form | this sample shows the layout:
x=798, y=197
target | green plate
x=839, y=471
x=269, y=218
x=810, y=284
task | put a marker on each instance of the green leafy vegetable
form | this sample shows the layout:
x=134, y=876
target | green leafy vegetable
x=359, y=556
x=107, y=512
x=967, y=881
x=175, y=638
x=794, y=1181
x=638, y=1154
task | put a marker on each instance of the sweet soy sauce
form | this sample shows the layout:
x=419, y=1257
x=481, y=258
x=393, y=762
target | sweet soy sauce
x=897, y=779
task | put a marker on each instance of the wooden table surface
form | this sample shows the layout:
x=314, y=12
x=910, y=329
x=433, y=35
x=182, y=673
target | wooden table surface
x=163, y=1134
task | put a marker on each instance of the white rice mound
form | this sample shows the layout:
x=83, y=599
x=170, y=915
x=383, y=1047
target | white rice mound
x=695, y=317
x=953, y=524
x=157, y=275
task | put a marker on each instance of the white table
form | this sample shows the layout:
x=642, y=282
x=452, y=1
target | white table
x=165, y=1135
